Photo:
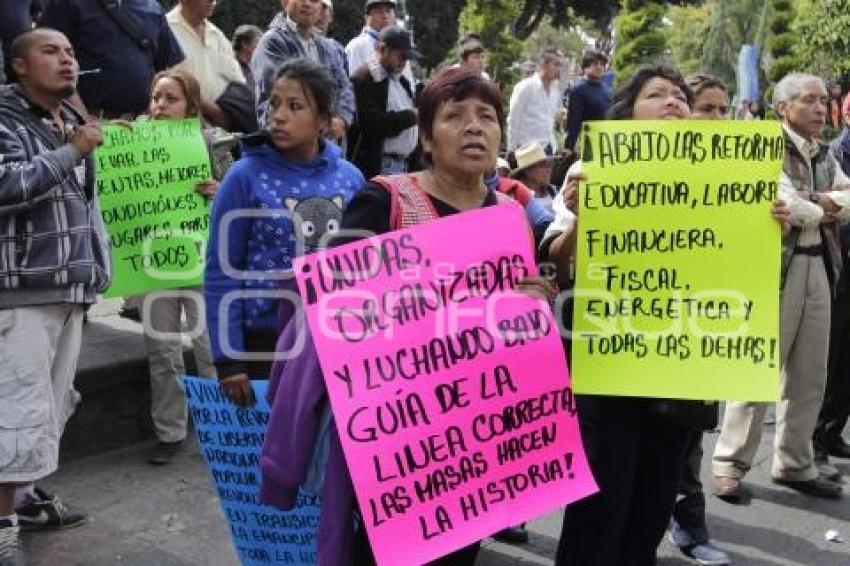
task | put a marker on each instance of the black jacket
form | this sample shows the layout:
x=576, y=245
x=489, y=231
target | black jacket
x=374, y=123
x=840, y=149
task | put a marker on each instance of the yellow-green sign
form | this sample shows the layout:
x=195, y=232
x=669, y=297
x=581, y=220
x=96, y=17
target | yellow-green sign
x=157, y=222
x=678, y=260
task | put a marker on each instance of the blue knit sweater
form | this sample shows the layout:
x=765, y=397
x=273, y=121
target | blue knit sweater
x=251, y=253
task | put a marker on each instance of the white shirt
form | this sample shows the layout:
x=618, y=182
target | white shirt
x=806, y=214
x=360, y=49
x=210, y=60
x=532, y=113
x=308, y=45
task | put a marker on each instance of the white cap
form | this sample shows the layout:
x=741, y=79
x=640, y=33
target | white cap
x=502, y=163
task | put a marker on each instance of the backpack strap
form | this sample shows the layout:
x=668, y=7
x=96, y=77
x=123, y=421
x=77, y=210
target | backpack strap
x=514, y=189
x=128, y=26
x=409, y=204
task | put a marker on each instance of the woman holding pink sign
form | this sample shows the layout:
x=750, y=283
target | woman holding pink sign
x=460, y=119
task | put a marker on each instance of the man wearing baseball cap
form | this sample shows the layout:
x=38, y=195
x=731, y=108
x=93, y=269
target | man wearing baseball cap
x=385, y=134
x=379, y=14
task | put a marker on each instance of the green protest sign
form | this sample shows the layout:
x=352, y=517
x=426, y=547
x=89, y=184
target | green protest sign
x=678, y=260
x=156, y=221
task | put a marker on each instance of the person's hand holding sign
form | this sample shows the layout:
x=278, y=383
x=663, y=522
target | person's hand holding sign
x=126, y=124
x=782, y=214
x=562, y=247
x=571, y=191
x=238, y=389
x=537, y=288
x=87, y=137
x=207, y=188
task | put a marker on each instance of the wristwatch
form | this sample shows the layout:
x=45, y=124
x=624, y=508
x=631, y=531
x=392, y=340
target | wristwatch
x=813, y=196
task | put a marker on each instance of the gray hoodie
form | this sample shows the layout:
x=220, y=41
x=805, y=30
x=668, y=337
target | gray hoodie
x=53, y=245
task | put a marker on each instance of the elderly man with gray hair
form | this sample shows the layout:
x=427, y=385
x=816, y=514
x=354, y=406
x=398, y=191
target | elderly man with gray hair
x=816, y=191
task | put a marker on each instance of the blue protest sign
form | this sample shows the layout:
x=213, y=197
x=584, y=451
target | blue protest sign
x=231, y=439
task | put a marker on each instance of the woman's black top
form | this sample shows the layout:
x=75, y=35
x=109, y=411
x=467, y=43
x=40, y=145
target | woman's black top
x=369, y=210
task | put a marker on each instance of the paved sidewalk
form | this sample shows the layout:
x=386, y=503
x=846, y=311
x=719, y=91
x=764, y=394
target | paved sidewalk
x=112, y=375
x=146, y=516
x=110, y=341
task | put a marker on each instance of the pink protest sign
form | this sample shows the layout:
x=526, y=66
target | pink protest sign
x=449, y=390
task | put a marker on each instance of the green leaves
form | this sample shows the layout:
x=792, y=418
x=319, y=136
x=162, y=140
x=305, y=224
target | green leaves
x=784, y=41
x=493, y=20
x=824, y=45
x=640, y=37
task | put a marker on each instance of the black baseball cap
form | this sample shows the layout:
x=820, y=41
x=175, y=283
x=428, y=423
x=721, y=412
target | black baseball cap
x=370, y=3
x=398, y=39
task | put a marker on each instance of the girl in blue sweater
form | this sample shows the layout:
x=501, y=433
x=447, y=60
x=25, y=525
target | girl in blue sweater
x=278, y=202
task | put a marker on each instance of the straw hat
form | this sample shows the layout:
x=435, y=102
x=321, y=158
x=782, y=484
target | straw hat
x=528, y=155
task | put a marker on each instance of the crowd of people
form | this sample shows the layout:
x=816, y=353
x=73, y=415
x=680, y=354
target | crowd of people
x=347, y=137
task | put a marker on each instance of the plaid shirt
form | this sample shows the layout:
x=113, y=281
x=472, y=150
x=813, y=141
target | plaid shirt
x=282, y=43
x=53, y=246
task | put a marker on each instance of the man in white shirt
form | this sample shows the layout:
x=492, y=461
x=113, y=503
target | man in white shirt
x=534, y=102
x=816, y=191
x=379, y=14
x=209, y=55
